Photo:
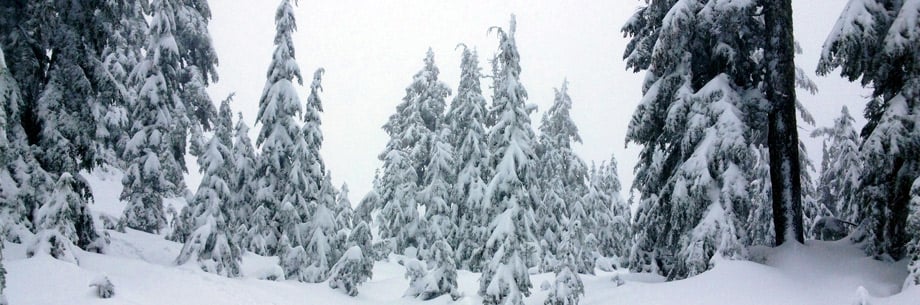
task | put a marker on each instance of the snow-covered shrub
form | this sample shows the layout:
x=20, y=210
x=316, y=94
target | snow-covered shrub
x=104, y=287
x=352, y=270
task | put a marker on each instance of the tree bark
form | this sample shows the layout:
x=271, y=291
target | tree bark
x=783, y=138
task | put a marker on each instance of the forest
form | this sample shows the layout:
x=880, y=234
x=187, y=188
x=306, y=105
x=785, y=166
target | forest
x=469, y=185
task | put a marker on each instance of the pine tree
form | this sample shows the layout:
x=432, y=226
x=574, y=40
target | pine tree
x=211, y=241
x=64, y=222
x=354, y=268
x=509, y=196
x=564, y=173
x=466, y=120
x=840, y=166
x=875, y=42
x=693, y=171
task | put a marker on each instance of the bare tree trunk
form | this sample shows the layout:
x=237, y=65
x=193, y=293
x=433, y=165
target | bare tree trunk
x=783, y=137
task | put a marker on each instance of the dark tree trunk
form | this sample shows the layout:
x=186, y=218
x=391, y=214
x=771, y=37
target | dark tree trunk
x=783, y=137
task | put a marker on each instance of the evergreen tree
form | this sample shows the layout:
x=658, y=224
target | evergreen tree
x=411, y=129
x=64, y=221
x=564, y=173
x=19, y=170
x=436, y=195
x=354, y=268
x=211, y=240
x=876, y=42
x=760, y=218
x=509, y=194
x=344, y=213
x=244, y=183
x=442, y=278
x=154, y=155
x=568, y=288
x=913, y=248
x=611, y=212
x=466, y=120
x=840, y=166
x=287, y=170
x=694, y=122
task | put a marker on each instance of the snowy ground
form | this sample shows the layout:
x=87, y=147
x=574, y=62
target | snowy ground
x=141, y=267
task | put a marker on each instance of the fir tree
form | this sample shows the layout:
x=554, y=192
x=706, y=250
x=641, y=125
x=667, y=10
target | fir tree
x=876, y=42
x=442, y=278
x=211, y=240
x=436, y=195
x=840, y=166
x=244, y=183
x=509, y=196
x=466, y=120
x=344, y=213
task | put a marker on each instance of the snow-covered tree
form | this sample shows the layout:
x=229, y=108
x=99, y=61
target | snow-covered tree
x=876, y=42
x=344, y=213
x=563, y=174
x=64, y=221
x=411, y=129
x=913, y=227
x=610, y=212
x=289, y=169
x=243, y=182
x=466, y=120
x=442, y=278
x=211, y=242
x=695, y=122
x=509, y=194
x=840, y=166
x=567, y=288
x=154, y=154
x=355, y=267
x=437, y=193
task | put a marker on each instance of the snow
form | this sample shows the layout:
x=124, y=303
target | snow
x=141, y=268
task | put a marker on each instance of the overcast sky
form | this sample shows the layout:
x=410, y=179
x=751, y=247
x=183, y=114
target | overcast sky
x=371, y=50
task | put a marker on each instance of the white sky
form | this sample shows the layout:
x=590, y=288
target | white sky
x=371, y=49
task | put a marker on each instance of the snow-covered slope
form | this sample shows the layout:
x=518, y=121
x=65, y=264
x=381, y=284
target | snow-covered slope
x=141, y=267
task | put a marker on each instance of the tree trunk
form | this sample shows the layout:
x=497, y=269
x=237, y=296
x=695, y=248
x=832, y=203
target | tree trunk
x=783, y=136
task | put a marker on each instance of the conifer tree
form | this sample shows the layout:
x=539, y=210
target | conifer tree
x=436, y=194
x=411, y=129
x=285, y=174
x=442, y=278
x=155, y=153
x=243, y=182
x=355, y=267
x=913, y=247
x=505, y=279
x=564, y=173
x=64, y=222
x=344, y=213
x=211, y=242
x=611, y=212
x=567, y=288
x=698, y=112
x=876, y=42
x=840, y=166
x=466, y=120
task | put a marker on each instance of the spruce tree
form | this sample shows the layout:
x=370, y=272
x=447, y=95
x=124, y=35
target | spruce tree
x=211, y=242
x=876, y=42
x=344, y=213
x=442, y=278
x=611, y=212
x=19, y=169
x=466, y=120
x=437, y=193
x=509, y=194
x=840, y=166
